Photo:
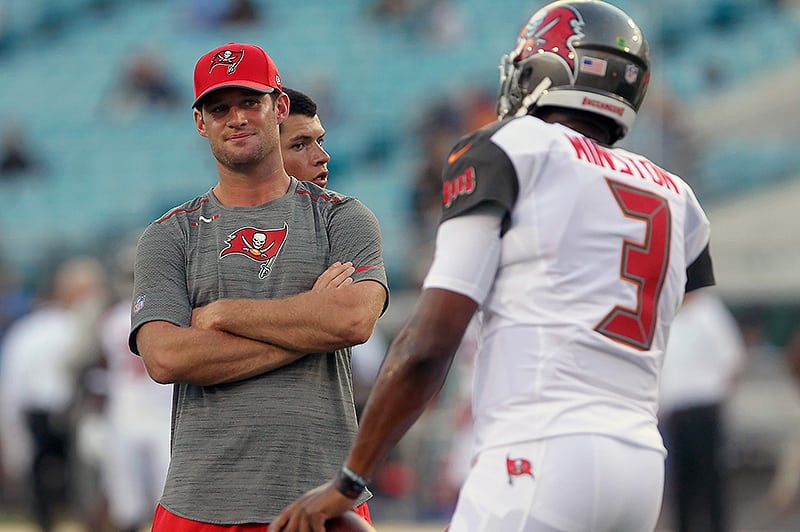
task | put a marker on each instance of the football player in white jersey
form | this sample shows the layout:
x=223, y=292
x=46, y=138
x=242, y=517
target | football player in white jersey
x=576, y=255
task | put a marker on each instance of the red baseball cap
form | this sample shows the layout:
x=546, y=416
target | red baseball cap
x=235, y=65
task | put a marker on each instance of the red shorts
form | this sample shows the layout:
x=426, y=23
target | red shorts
x=166, y=521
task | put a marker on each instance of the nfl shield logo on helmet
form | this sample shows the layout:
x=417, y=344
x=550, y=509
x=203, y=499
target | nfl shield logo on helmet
x=631, y=73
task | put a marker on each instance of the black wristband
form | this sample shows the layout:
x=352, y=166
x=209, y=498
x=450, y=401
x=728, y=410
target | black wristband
x=349, y=484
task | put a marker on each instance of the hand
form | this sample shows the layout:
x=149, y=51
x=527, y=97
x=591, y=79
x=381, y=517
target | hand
x=205, y=317
x=309, y=512
x=336, y=276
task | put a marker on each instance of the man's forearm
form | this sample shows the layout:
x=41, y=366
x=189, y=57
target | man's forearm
x=206, y=357
x=311, y=321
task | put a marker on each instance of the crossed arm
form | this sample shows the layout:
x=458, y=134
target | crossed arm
x=233, y=339
x=314, y=321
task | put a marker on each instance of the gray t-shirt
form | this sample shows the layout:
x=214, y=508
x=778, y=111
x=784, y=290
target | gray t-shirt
x=242, y=451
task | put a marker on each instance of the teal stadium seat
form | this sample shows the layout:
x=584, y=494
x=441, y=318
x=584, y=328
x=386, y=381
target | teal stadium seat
x=106, y=174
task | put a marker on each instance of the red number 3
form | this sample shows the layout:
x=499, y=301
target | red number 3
x=643, y=264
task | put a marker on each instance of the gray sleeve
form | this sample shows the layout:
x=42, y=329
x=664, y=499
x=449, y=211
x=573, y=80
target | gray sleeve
x=355, y=236
x=159, y=285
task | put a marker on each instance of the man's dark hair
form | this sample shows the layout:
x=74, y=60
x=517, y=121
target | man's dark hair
x=300, y=104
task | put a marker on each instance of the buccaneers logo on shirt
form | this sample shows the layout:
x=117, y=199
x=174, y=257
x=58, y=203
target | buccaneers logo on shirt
x=554, y=32
x=259, y=245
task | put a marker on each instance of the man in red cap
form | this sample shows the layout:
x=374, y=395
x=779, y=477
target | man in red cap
x=248, y=298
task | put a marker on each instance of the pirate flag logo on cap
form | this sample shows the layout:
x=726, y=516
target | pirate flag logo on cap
x=228, y=58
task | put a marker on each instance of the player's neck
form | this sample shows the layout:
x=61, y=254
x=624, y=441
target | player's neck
x=589, y=129
x=585, y=127
x=236, y=189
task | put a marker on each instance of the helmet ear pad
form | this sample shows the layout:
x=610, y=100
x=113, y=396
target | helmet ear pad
x=539, y=66
x=529, y=72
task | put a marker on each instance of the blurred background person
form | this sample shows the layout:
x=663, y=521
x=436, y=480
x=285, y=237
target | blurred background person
x=243, y=12
x=763, y=416
x=17, y=158
x=15, y=299
x=704, y=356
x=785, y=485
x=137, y=414
x=145, y=83
x=203, y=15
x=42, y=354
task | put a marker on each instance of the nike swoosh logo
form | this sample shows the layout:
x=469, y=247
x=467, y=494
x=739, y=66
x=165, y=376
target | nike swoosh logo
x=453, y=157
x=363, y=268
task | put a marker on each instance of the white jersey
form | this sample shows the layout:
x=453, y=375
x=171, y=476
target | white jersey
x=137, y=404
x=706, y=352
x=138, y=416
x=598, y=247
